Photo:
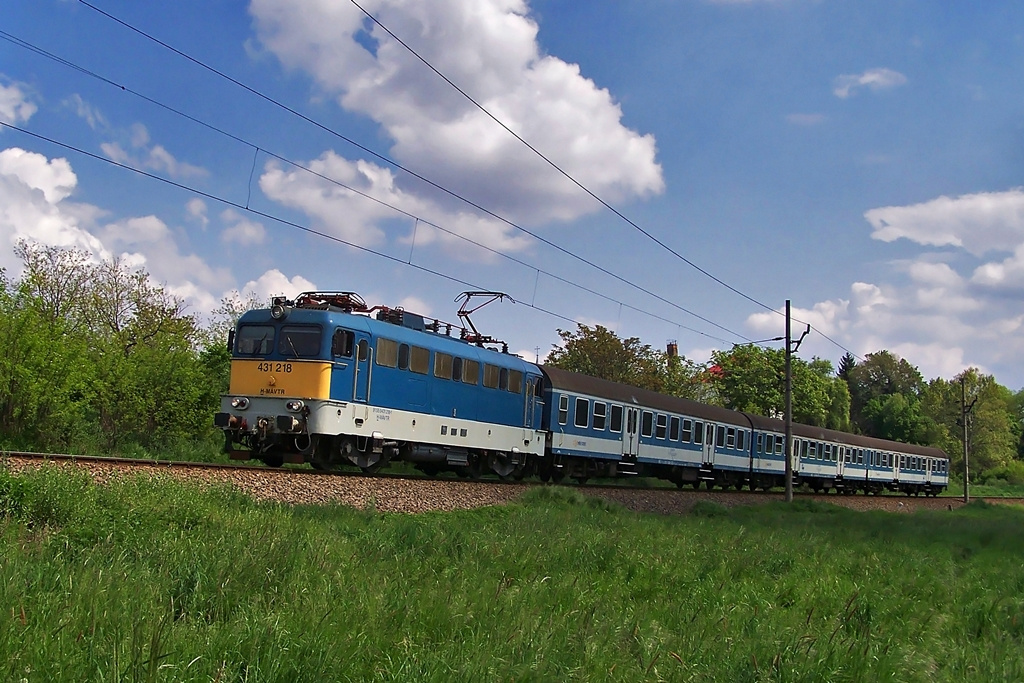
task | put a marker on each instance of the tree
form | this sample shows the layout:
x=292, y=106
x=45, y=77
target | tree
x=598, y=352
x=881, y=374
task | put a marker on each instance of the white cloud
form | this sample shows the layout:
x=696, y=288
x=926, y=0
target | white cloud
x=241, y=230
x=488, y=47
x=978, y=223
x=275, y=283
x=196, y=209
x=873, y=79
x=90, y=114
x=15, y=106
x=350, y=216
x=152, y=158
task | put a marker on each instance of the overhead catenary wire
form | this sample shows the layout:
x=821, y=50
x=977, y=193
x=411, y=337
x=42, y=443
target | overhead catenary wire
x=418, y=219
x=397, y=165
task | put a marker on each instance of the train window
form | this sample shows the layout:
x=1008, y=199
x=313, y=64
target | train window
x=811, y=450
x=616, y=425
x=845, y=452
x=860, y=456
x=443, y=365
x=721, y=436
x=698, y=433
x=538, y=388
x=766, y=443
x=563, y=409
x=730, y=438
x=299, y=342
x=491, y=376
x=470, y=371
x=515, y=381
x=662, y=426
x=760, y=442
x=903, y=462
x=780, y=445
x=254, y=340
x=647, y=426
x=673, y=429
x=600, y=414
x=503, y=379
x=363, y=350
x=687, y=431
x=403, y=356
x=387, y=353
x=741, y=440
x=582, y=416
x=709, y=434
x=419, y=360
x=343, y=343
x=456, y=369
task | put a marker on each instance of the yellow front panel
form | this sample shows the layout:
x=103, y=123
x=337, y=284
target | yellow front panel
x=292, y=379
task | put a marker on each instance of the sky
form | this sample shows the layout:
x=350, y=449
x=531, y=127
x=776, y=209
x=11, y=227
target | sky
x=674, y=170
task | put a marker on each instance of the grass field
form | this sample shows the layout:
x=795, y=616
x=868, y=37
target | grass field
x=159, y=580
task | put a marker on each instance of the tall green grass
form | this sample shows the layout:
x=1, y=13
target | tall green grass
x=156, y=580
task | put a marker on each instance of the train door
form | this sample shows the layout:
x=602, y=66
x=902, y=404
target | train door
x=534, y=403
x=709, y=443
x=363, y=369
x=630, y=434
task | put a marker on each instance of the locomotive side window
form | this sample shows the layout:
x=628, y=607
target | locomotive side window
x=403, y=357
x=456, y=369
x=647, y=426
x=442, y=365
x=363, y=350
x=688, y=430
x=538, y=388
x=419, y=360
x=254, y=340
x=299, y=342
x=563, y=409
x=490, y=376
x=515, y=381
x=698, y=432
x=673, y=429
x=616, y=419
x=582, y=417
x=471, y=371
x=387, y=353
x=343, y=343
x=661, y=426
x=503, y=379
x=600, y=413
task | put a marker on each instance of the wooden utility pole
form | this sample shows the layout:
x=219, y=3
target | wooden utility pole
x=789, y=408
x=965, y=411
x=791, y=348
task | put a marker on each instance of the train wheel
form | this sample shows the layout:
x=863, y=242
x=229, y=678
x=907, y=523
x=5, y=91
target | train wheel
x=273, y=459
x=696, y=484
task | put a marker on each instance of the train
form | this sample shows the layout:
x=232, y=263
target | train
x=327, y=380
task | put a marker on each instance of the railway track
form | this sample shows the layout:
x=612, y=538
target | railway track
x=392, y=492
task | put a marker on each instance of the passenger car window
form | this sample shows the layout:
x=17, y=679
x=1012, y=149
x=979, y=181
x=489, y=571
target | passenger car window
x=582, y=416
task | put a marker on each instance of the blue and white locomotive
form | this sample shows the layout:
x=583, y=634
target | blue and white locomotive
x=326, y=380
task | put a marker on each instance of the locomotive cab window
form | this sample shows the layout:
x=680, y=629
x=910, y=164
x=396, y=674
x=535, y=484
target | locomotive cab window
x=254, y=340
x=299, y=342
x=582, y=412
x=343, y=343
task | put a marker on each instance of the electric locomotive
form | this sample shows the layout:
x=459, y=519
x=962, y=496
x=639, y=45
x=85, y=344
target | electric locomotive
x=327, y=380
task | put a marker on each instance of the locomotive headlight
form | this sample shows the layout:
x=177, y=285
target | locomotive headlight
x=279, y=308
x=240, y=403
x=294, y=406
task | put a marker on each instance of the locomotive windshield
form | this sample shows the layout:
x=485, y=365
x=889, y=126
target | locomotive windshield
x=299, y=342
x=254, y=340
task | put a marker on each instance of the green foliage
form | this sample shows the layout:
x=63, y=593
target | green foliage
x=881, y=374
x=152, y=579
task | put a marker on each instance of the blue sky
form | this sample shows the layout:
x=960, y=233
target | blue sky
x=863, y=159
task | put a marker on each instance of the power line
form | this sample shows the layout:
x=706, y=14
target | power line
x=40, y=51
x=395, y=164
